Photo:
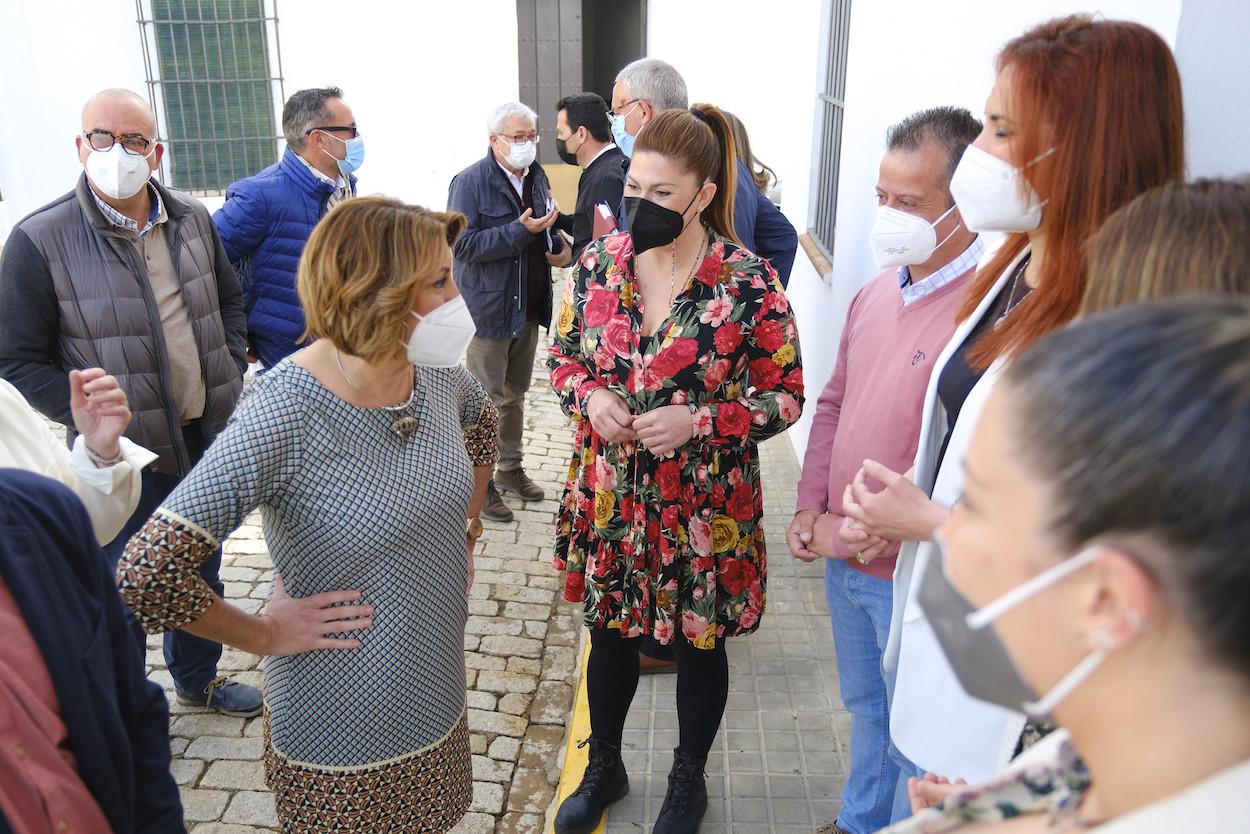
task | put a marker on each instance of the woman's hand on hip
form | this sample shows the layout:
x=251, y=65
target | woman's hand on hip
x=899, y=512
x=610, y=417
x=304, y=624
x=665, y=428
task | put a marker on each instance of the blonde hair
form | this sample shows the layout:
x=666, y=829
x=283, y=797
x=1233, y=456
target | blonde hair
x=361, y=270
x=1175, y=239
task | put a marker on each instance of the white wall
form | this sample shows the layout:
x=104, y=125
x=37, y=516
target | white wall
x=905, y=56
x=1215, y=71
x=421, y=78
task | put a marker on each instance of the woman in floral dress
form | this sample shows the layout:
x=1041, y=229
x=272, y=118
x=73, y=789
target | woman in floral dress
x=676, y=353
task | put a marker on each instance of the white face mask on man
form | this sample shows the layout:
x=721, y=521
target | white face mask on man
x=118, y=173
x=903, y=239
x=522, y=153
x=442, y=335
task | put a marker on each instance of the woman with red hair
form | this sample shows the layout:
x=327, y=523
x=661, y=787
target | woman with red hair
x=1084, y=115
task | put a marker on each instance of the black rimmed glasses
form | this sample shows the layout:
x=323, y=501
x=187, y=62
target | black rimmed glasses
x=132, y=143
x=352, y=129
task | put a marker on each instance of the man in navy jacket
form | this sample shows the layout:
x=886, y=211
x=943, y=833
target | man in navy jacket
x=267, y=218
x=503, y=269
x=116, y=722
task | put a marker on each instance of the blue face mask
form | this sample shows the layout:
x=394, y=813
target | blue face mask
x=620, y=135
x=353, y=158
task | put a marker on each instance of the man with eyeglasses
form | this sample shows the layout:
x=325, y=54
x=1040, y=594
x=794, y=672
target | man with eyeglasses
x=650, y=86
x=503, y=269
x=125, y=274
x=267, y=218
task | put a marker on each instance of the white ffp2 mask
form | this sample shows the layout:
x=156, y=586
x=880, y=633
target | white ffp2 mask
x=991, y=196
x=903, y=239
x=119, y=174
x=442, y=335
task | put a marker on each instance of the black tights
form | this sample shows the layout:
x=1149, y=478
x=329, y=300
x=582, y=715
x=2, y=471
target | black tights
x=612, y=679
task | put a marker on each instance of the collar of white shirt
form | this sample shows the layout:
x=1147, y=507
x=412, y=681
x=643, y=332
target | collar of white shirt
x=518, y=183
x=602, y=151
x=337, y=182
x=964, y=261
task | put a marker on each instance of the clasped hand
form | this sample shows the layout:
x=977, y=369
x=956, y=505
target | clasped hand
x=661, y=430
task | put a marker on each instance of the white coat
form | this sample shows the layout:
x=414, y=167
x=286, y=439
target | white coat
x=933, y=722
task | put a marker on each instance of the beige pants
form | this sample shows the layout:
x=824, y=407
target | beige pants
x=504, y=368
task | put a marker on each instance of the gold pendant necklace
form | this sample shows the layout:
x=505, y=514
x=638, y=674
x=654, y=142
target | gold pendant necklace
x=405, y=425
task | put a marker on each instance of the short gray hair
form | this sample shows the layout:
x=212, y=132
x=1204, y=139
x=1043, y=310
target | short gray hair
x=510, y=110
x=656, y=81
x=303, y=111
x=952, y=129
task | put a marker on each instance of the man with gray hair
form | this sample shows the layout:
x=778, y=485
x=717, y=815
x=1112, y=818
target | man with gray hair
x=649, y=86
x=871, y=407
x=267, y=218
x=503, y=266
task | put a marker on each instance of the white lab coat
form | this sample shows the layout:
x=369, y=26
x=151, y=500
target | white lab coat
x=933, y=722
x=110, y=494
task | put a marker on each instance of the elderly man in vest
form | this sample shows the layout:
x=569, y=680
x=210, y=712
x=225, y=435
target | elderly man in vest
x=503, y=269
x=125, y=274
x=267, y=218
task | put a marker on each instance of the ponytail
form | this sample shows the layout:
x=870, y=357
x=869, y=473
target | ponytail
x=701, y=140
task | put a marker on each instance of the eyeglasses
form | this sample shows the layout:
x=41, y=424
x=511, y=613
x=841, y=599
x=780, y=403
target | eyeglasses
x=132, y=143
x=613, y=114
x=520, y=139
x=352, y=129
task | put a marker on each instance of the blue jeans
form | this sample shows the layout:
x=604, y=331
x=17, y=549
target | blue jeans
x=859, y=606
x=192, y=660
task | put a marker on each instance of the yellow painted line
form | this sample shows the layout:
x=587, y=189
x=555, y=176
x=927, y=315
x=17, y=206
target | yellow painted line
x=579, y=728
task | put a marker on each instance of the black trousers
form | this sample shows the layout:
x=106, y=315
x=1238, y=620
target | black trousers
x=702, y=688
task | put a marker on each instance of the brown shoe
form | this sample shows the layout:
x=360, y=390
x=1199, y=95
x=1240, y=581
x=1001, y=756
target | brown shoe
x=495, y=509
x=518, y=483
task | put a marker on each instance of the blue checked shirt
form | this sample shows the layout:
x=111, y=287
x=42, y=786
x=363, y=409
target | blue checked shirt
x=118, y=219
x=967, y=260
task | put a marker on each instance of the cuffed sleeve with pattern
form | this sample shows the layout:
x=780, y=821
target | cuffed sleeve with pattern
x=479, y=419
x=251, y=463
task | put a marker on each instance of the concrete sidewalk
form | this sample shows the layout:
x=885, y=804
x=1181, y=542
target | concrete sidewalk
x=781, y=756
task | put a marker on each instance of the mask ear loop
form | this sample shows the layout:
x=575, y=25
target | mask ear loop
x=933, y=225
x=978, y=620
x=1045, y=705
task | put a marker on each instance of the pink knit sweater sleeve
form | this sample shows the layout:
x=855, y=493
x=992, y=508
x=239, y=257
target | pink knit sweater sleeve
x=813, y=489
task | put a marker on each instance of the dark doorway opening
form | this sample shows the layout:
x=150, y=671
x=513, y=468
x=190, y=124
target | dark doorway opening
x=573, y=46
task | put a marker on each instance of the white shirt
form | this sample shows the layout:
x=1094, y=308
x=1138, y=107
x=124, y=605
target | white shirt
x=110, y=493
x=963, y=262
x=602, y=151
x=518, y=183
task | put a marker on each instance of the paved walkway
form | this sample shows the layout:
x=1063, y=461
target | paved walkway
x=781, y=754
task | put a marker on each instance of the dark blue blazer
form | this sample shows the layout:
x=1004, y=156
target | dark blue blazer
x=118, y=721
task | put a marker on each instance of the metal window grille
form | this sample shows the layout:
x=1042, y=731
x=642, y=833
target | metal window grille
x=829, y=112
x=211, y=81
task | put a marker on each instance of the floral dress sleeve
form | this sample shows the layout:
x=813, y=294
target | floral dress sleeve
x=773, y=400
x=252, y=462
x=571, y=377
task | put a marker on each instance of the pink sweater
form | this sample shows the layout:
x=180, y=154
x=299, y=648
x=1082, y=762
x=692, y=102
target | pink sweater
x=884, y=362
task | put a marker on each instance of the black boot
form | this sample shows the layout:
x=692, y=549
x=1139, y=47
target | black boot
x=686, y=800
x=603, y=783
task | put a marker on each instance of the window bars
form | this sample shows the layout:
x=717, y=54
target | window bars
x=829, y=112
x=211, y=81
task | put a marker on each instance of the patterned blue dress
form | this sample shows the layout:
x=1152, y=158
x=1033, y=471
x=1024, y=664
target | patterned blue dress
x=372, y=739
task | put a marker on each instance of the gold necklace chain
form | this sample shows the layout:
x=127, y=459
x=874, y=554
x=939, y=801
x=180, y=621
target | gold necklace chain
x=411, y=393
x=698, y=257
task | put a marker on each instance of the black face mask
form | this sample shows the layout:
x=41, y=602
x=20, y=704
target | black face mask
x=652, y=225
x=565, y=154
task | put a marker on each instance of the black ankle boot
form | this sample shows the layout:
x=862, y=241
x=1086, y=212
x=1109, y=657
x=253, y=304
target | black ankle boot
x=603, y=783
x=686, y=800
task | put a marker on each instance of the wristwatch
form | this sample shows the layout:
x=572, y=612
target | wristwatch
x=473, y=528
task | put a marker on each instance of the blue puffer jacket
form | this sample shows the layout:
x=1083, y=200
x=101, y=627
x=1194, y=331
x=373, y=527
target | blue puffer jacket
x=264, y=224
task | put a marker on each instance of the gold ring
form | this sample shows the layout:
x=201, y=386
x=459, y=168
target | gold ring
x=859, y=557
